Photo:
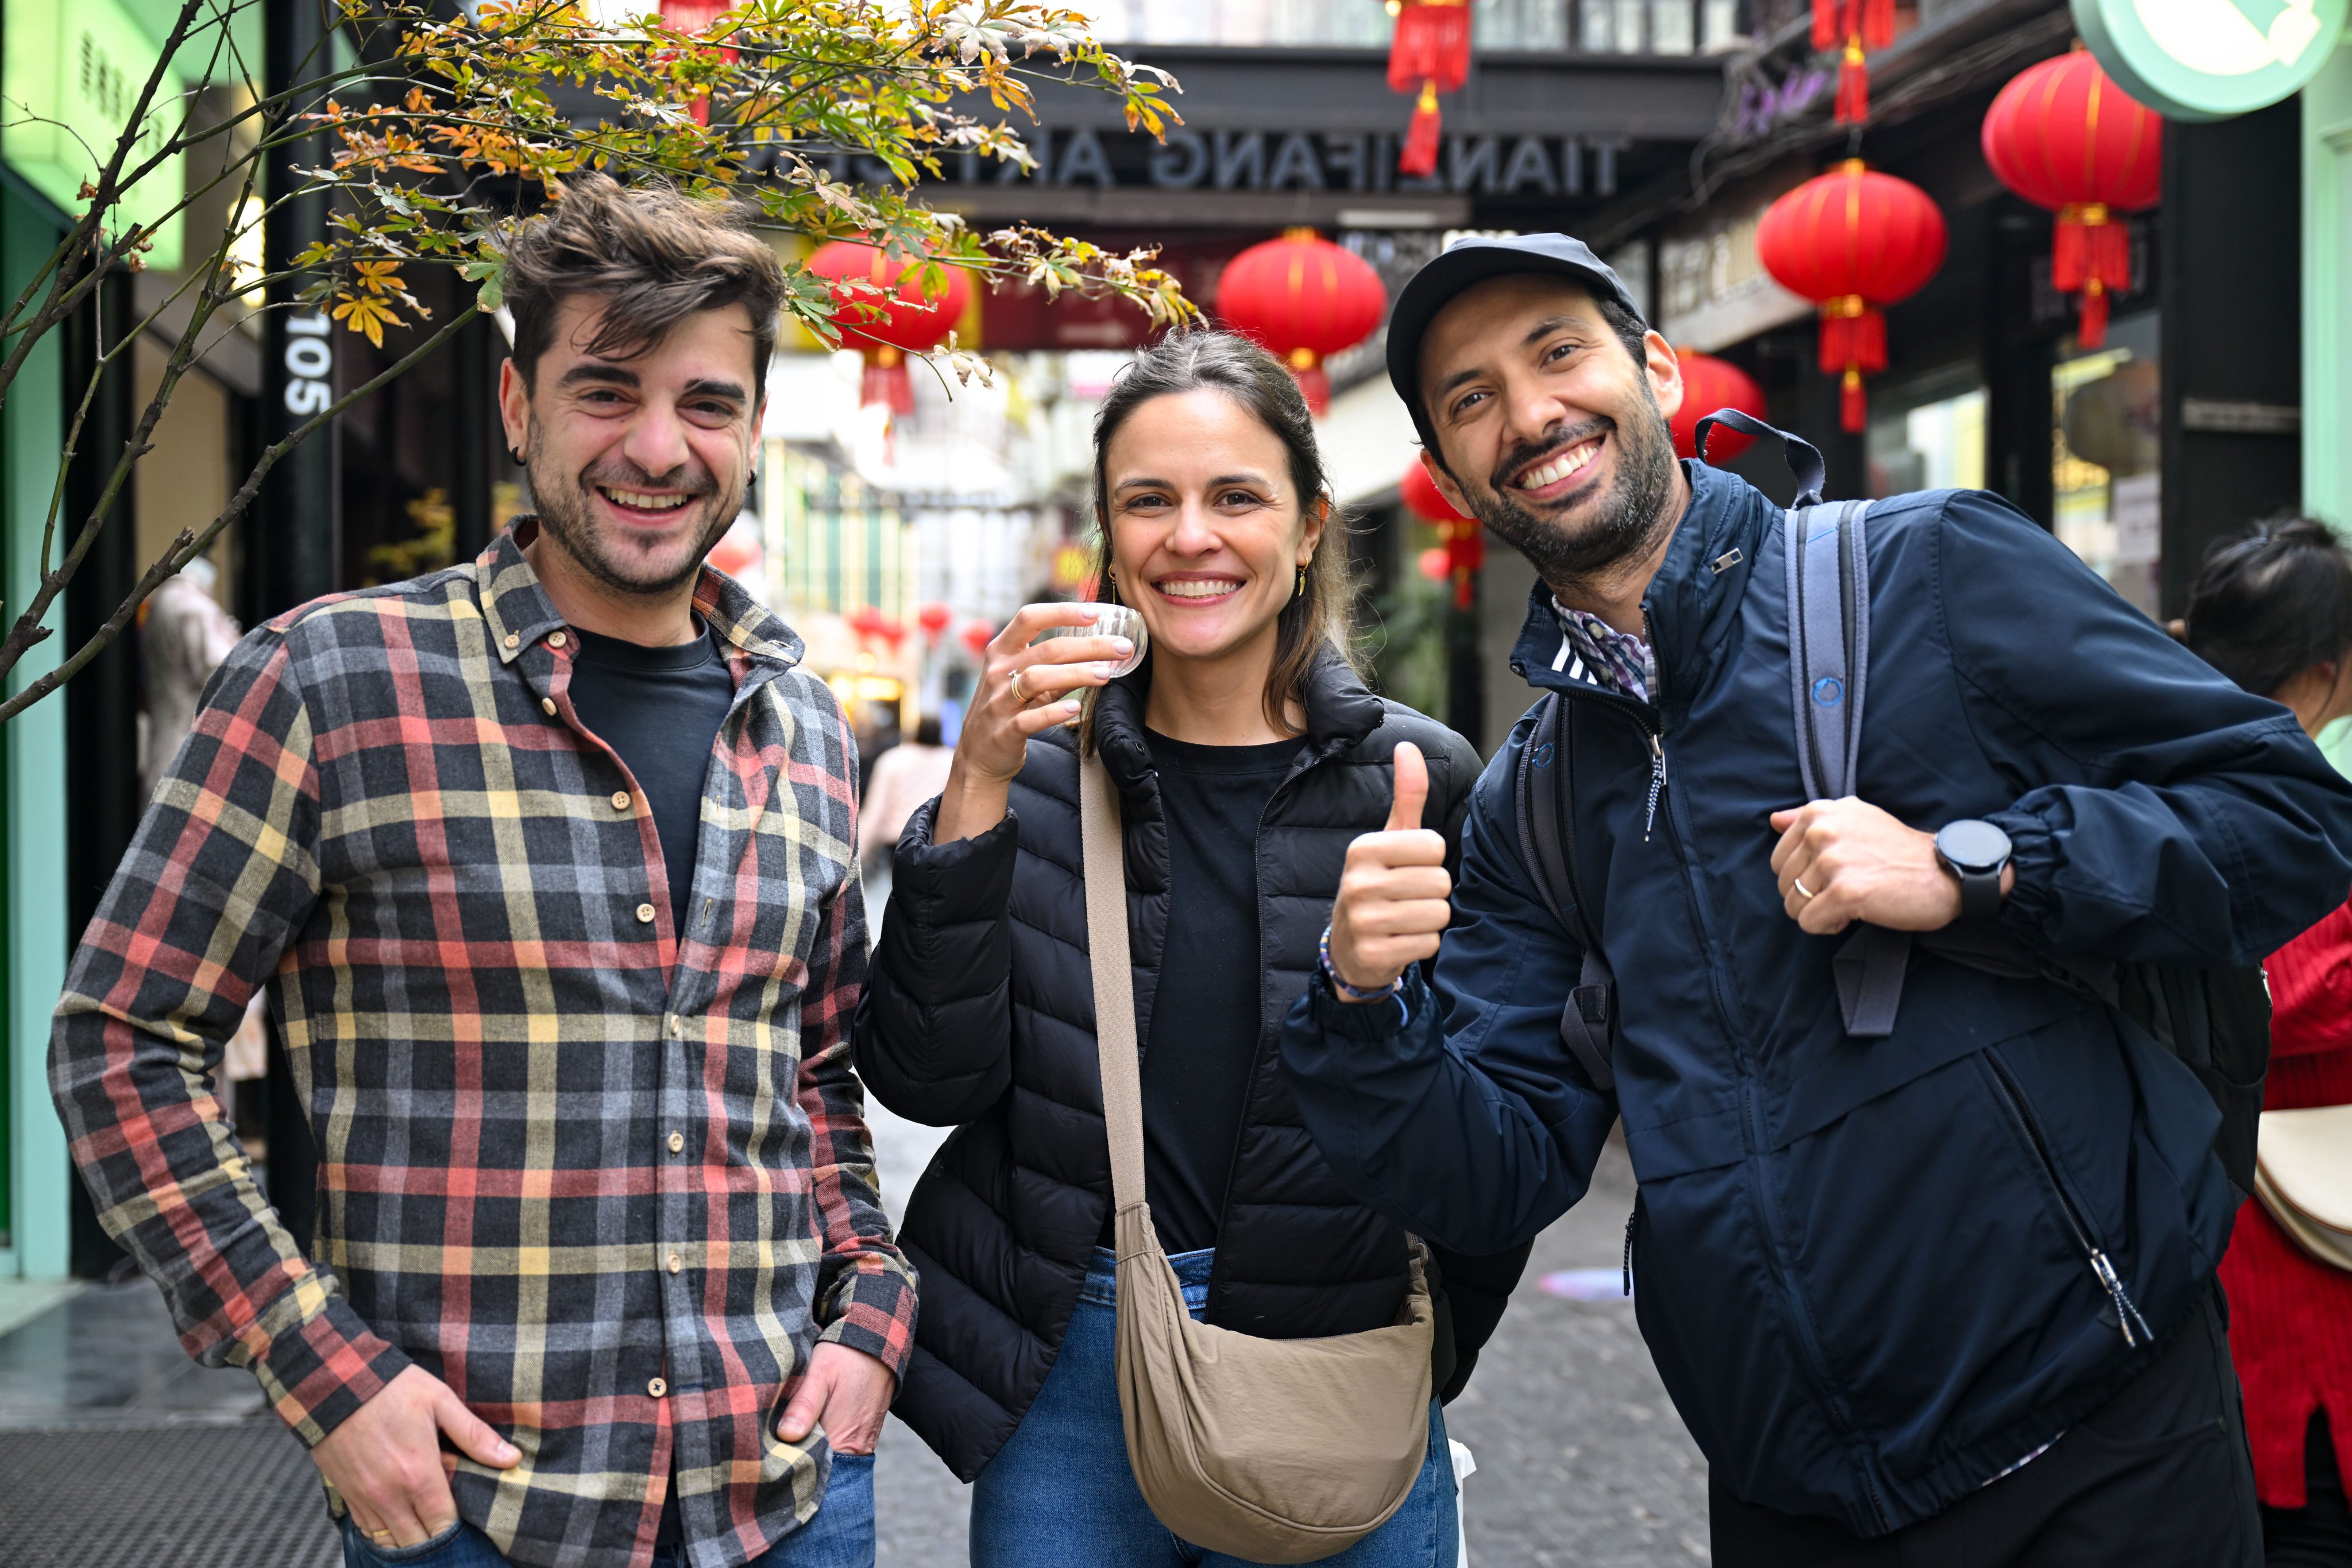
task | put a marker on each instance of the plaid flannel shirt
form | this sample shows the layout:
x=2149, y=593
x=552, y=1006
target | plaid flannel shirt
x=606, y=1179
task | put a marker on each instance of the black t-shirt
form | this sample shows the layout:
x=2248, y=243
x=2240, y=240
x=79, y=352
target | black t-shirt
x=659, y=708
x=1205, y=1015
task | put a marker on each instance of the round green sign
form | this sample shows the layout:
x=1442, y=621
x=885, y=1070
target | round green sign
x=2209, y=59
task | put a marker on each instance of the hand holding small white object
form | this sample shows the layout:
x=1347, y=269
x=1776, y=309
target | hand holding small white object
x=1024, y=691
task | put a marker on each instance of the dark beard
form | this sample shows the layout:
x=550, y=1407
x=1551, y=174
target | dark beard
x=562, y=506
x=1622, y=525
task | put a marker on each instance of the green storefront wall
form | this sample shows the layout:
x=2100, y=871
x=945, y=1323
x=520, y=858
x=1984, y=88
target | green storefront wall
x=2327, y=313
x=33, y=936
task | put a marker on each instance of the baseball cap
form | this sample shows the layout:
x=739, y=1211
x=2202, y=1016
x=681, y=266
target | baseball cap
x=1473, y=261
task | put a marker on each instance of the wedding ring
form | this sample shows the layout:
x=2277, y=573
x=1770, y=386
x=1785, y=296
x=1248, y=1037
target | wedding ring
x=1014, y=686
x=1799, y=881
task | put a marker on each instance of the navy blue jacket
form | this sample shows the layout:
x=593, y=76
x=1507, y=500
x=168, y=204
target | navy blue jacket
x=1857, y=1263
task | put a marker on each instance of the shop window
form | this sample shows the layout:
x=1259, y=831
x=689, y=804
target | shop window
x=2103, y=449
x=1928, y=435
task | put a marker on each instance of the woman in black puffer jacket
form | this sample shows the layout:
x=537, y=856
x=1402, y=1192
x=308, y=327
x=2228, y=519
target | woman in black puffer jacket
x=1247, y=755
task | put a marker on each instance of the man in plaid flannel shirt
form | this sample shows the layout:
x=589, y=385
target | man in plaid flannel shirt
x=601, y=1275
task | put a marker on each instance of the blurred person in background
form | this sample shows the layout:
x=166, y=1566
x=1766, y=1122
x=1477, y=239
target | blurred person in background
x=1246, y=754
x=903, y=777
x=2273, y=611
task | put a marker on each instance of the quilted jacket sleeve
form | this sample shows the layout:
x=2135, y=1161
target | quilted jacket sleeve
x=934, y=1030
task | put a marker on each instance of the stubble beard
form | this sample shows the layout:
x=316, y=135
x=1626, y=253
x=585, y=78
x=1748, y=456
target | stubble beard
x=1620, y=526
x=565, y=512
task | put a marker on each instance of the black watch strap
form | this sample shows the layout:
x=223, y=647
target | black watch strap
x=1980, y=895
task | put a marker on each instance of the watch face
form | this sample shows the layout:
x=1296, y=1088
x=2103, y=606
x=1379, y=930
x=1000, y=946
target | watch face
x=1972, y=845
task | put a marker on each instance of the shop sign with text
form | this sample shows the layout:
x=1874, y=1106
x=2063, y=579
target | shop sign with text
x=72, y=74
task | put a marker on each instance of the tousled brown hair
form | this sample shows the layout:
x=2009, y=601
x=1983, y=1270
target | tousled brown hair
x=655, y=254
x=1311, y=622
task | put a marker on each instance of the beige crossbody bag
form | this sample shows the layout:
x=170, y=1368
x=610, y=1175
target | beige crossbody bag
x=2303, y=1173
x=1268, y=1450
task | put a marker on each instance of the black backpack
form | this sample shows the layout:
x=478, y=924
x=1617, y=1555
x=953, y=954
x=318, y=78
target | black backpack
x=2216, y=1020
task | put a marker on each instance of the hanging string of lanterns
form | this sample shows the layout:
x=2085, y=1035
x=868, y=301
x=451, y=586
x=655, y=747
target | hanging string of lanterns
x=1710, y=385
x=1854, y=241
x=1429, y=54
x=1463, y=550
x=866, y=279
x=2063, y=135
x=1304, y=299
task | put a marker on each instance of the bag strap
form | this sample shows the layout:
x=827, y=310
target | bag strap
x=1829, y=641
x=1803, y=458
x=1105, y=863
x=1588, y=1020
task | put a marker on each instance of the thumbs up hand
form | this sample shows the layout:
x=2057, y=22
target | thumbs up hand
x=1393, y=890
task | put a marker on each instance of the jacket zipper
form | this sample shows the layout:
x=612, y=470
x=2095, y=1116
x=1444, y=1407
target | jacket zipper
x=2103, y=1269
x=1654, y=736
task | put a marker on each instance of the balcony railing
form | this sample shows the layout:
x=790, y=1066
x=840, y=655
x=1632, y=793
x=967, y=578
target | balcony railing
x=1589, y=26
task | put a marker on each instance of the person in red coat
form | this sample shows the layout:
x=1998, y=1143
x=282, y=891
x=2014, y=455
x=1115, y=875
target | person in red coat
x=2273, y=611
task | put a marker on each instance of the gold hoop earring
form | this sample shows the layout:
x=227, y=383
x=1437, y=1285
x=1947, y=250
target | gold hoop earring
x=1111, y=585
x=1300, y=591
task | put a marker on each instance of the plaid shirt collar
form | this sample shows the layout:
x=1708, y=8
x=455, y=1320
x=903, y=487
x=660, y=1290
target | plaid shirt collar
x=520, y=613
x=1603, y=656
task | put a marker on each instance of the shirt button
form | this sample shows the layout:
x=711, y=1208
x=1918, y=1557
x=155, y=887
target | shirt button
x=675, y=1263
x=678, y=1142
x=547, y=705
x=676, y=1025
x=555, y=640
x=646, y=913
x=657, y=1387
x=514, y=639
x=620, y=800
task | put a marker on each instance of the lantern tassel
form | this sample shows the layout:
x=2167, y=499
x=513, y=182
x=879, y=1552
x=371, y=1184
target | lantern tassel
x=1315, y=384
x=1419, y=156
x=1877, y=24
x=1829, y=24
x=1854, y=406
x=886, y=382
x=2090, y=253
x=1853, y=85
x=1431, y=44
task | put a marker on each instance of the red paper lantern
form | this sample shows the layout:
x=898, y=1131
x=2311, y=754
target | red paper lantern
x=1709, y=385
x=1421, y=497
x=977, y=635
x=1305, y=298
x=933, y=619
x=911, y=323
x=1851, y=27
x=1464, y=550
x=2063, y=135
x=1854, y=241
x=1429, y=55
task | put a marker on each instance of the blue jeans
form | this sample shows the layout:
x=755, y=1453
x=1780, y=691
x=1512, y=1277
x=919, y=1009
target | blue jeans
x=840, y=1536
x=1059, y=1494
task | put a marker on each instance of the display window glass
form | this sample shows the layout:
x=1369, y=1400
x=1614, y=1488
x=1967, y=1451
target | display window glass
x=2105, y=408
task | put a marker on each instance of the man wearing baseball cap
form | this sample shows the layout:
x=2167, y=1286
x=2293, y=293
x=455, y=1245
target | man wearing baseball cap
x=1931, y=1286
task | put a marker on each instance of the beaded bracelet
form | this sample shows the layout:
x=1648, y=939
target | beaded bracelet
x=1345, y=991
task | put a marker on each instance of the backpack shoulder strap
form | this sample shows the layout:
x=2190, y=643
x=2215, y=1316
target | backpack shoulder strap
x=1546, y=824
x=1829, y=640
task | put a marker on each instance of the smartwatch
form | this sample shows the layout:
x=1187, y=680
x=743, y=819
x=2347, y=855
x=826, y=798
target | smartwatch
x=1976, y=854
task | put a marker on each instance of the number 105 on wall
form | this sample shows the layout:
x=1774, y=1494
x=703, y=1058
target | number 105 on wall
x=310, y=365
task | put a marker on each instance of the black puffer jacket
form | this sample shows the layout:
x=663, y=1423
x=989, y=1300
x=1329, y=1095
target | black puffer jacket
x=979, y=1014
